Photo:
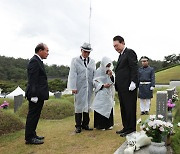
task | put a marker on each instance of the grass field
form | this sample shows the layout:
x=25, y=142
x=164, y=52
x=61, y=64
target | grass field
x=169, y=74
x=60, y=138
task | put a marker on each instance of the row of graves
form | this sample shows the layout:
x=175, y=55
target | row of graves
x=18, y=101
x=140, y=142
x=156, y=131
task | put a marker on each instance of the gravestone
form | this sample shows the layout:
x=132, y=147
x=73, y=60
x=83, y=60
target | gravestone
x=161, y=104
x=17, y=102
x=57, y=94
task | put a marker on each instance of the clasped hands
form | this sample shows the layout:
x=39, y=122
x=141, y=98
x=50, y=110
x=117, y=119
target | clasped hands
x=107, y=85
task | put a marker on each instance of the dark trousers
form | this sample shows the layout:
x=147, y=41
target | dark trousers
x=82, y=119
x=32, y=119
x=128, y=103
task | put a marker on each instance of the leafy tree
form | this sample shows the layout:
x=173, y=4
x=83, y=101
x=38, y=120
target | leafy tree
x=156, y=64
x=171, y=60
x=15, y=69
x=98, y=64
x=114, y=64
x=57, y=85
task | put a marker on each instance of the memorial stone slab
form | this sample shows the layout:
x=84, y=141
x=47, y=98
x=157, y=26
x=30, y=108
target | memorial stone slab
x=161, y=104
x=17, y=102
x=57, y=94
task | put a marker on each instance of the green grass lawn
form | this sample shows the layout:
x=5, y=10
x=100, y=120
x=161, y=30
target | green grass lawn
x=60, y=137
x=169, y=74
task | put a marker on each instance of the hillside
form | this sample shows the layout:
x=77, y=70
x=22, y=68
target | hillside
x=15, y=69
x=13, y=73
x=169, y=74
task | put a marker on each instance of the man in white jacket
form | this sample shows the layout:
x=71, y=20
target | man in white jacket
x=80, y=81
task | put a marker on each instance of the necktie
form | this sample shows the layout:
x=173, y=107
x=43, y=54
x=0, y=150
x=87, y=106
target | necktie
x=42, y=65
x=85, y=62
x=119, y=57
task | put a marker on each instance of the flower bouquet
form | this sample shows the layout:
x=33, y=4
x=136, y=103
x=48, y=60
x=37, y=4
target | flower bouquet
x=4, y=105
x=156, y=128
x=170, y=104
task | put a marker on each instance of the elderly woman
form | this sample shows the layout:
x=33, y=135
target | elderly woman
x=104, y=95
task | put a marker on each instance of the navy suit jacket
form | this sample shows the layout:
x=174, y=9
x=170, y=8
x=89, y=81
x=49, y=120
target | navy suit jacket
x=37, y=80
x=126, y=70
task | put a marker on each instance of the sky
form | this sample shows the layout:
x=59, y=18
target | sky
x=150, y=27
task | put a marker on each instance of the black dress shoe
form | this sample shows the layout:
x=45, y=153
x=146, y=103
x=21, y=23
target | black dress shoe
x=87, y=128
x=120, y=131
x=142, y=113
x=123, y=134
x=146, y=113
x=126, y=133
x=40, y=137
x=34, y=141
x=78, y=130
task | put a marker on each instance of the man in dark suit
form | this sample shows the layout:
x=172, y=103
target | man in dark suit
x=126, y=79
x=36, y=92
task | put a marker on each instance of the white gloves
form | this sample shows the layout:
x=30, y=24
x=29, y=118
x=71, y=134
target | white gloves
x=152, y=88
x=132, y=86
x=34, y=99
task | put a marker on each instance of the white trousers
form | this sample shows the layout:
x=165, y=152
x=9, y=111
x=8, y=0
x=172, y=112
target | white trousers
x=145, y=104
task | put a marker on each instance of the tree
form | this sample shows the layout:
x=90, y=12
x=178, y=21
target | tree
x=156, y=64
x=171, y=60
x=15, y=69
x=57, y=85
x=98, y=64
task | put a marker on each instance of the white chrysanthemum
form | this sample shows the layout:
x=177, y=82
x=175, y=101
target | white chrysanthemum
x=152, y=117
x=158, y=122
x=160, y=116
x=150, y=123
x=147, y=129
x=161, y=129
x=164, y=123
x=169, y=125
x=154, y=126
